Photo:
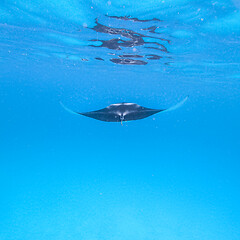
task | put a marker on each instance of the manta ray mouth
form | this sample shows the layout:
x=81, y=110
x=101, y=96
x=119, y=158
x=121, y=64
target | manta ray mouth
x=121, y=118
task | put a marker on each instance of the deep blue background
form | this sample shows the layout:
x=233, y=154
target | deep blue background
x=171, y=176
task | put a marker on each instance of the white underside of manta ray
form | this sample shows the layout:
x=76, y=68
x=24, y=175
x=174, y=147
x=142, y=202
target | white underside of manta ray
x=120, y=112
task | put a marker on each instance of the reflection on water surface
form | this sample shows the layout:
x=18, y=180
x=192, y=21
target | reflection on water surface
x=129, y=41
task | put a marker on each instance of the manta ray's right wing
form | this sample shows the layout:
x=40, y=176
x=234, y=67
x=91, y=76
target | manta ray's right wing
x=178, y=105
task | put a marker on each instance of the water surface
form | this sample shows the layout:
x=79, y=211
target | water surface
x=174, y=175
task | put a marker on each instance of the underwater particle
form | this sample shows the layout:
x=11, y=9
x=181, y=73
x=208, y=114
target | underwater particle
x=236, y=3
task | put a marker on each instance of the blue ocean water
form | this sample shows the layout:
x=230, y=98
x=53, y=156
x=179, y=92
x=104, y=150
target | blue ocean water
x=174, y=175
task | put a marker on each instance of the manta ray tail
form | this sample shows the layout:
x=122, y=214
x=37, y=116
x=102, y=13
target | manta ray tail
x=178, y=105
x=67, y=109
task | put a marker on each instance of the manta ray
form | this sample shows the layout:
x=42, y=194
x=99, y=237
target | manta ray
x=121, y=112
